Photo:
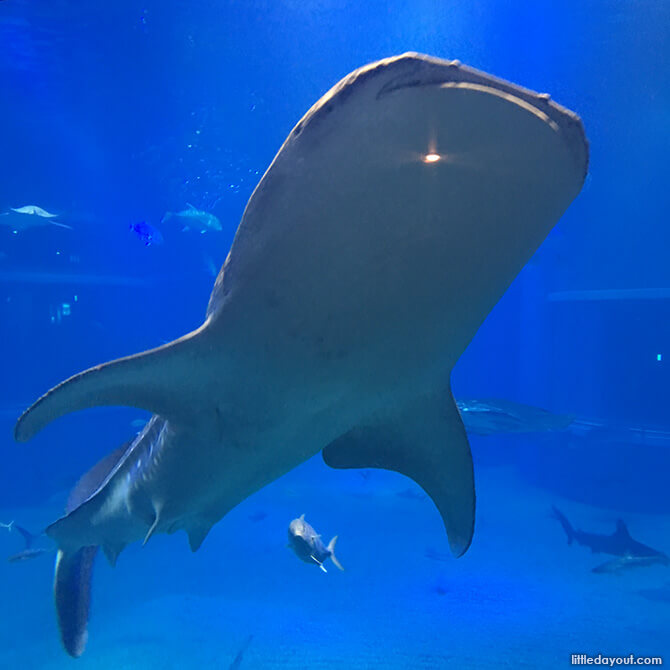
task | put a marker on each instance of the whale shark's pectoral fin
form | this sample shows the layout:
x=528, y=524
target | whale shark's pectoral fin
x=425, y=441
x=156, y=380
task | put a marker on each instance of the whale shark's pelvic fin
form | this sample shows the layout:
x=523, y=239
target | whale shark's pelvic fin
x=145, y=380
x=426, y=441
x=197, y=535
x=111, y=552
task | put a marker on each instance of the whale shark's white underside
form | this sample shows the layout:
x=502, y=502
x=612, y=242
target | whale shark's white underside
x=393, y=218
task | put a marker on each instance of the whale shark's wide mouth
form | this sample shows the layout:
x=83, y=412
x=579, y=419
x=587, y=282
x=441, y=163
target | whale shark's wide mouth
x=432, y=73
x=425, y=73
x=384, y=79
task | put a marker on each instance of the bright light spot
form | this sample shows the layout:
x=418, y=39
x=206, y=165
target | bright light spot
x=431, y=158
x=659, y=357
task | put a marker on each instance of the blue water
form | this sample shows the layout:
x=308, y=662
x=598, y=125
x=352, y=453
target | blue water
x=113, y=114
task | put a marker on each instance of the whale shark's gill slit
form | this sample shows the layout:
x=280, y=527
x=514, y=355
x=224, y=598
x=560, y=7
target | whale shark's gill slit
x=425, y=441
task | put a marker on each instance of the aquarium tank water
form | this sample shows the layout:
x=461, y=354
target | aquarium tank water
x=334, y=334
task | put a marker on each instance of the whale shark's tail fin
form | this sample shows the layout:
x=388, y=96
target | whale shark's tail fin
x=72, y=595
x=567, y=526
x=74, y=569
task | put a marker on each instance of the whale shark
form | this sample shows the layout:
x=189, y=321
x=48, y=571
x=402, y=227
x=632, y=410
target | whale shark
x=391, y=221
x=492, y=416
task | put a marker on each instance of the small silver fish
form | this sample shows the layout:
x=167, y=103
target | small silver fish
x=29, y=538
x=307, y=544
x=27, y=554
x=193, y=218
